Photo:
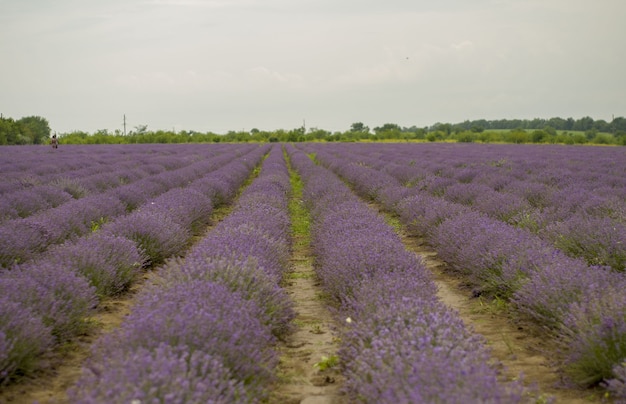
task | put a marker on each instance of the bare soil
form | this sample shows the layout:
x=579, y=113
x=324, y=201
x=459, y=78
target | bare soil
x=301, y=380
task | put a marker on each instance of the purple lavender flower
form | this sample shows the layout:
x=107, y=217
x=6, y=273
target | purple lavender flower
x=61, y=297
x=198, y=316
x=417, y=350
x=600, y=241
x=244, y=277
x=617, y=385
x=157, y=235
x=110, y=263
x=187, y=207
x=557, y=282
x=21, y=241
x=594, y=333
x=243, y=241
x=71, y=186
x=169, y=374
x=23, y=338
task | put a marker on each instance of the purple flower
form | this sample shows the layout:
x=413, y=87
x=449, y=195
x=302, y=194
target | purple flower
x=61, y=297
x=23, y=338
x=170, y=374
x=157, y=235
x=110, y=263
x=198, y=316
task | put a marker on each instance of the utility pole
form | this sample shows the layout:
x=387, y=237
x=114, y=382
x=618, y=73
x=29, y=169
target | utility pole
x=303, y=126
x=124, y=124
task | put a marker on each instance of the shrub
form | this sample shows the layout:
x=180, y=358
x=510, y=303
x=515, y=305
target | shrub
x=199, y=316
x=559, y=282
x=61, y=297
x=23, y=338
x=157, y=235
x=165, y=374
x=71, y=186
x=187, y=207
x=110, y=263
x=245, y=240
x=595, y=337
x=21, y=241
x=410, y=347
x=617, y=385
x=600, y=241
x=244, y=277
x=496, y=256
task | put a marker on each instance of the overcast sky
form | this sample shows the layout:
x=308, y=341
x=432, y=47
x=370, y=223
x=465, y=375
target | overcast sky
x=220, y=65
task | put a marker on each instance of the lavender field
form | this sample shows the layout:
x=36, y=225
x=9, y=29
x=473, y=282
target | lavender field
x=539, y=229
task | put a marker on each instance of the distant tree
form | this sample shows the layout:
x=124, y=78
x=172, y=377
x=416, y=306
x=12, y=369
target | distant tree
x=140, y=129
x=601, y=126
x=319, y=134
x=387, y=127
x=35, y=128
x=359, y=127
x=539, y=136
x=9, y=131
x=442, y=127
x=556, y=123
x=583, y=124
x=466, y=137
x=550, y=130
x=518, y=136
x=618, y=124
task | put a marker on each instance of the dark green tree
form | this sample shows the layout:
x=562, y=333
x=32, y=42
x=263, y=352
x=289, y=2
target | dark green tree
x=359, y=127
x=35, y=128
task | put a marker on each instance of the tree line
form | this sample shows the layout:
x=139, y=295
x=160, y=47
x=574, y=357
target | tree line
x=27, y=130
x=586, y=130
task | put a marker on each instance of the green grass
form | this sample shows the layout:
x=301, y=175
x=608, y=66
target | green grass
x=300, y=221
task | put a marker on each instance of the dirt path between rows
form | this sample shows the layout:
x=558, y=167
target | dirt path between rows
x=518, y=347
x=300, y=378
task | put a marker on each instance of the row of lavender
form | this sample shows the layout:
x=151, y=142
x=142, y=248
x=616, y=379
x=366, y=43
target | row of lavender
x=400, y=343
x=34, y=180
x=26, y=238
x=204, y=329
x=574, y=198
x=583, y=305
x=46, y=301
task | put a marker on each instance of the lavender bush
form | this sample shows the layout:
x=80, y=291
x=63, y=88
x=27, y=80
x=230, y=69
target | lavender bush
x=71, y=186
x=21, y=241
x=110, y=263
x=157, y=235
x=187, y=207
x=23, y=338
x=76, y=218
x=422, y=213
x=166, y=374
x=414, y=349
x=617, y=385
x=496, y=256
x=600, y=241
x=558, y=282
x=594, y=333
x=61, y=297
x=244, y=277
x=198, y=316
x=245, y=240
